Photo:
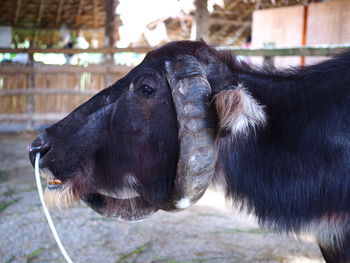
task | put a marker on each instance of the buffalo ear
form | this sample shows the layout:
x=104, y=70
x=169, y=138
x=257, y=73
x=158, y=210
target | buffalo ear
x=238, y=112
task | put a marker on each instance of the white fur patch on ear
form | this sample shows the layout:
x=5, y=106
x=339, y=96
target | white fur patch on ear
x=238, y=111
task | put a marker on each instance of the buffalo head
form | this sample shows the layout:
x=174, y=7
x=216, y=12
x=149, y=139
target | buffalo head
x=145, y=143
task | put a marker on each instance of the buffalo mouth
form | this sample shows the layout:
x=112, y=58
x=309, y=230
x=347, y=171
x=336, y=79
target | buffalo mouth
x=54, y=184
x=65, y=192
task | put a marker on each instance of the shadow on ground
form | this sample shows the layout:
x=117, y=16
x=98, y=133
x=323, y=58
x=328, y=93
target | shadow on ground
x=207, y=232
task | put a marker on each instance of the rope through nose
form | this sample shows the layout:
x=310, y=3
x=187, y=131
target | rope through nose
x=46, y=211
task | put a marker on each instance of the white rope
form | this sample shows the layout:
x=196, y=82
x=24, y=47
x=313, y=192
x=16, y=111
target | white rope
x=46, y=211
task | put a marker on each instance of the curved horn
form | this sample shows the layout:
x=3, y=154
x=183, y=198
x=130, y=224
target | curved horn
x=198, y=154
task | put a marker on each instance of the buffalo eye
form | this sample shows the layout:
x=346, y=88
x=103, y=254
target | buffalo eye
x=147, y=90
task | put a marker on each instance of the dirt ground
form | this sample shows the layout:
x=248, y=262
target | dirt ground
x=207, y=232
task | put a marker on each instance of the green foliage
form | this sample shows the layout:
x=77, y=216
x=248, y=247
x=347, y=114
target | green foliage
x=128, y=257
x=33, y=254
x=2, y=177
x=4, y=205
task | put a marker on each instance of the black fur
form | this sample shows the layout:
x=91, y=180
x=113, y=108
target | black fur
x=297, y=169
x=294, y=171
x=334, y=255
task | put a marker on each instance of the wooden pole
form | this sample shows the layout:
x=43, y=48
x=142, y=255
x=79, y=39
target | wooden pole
x=80, y=7
x=304, y=36
x=94, y=12
x=40, y=14
x=110, y=7
x=201, y=20
x=269, y=60
x=59, y=11
x=18, y=9
x=30, y=110
x=30, y=107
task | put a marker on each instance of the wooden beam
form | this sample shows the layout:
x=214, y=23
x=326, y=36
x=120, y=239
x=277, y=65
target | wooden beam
x=35, y=117
x=236, y=36
x=111, y=30
x=222, y=30
x=304, y=36
x=59, y=11
x=76, y=50
x=18, y=9
x=33, y=39
x=328, y=50
x=80, y=7
x=55, y=27
x=30, y=98
x=45, y=91
x=55, y=69
x=94, y=8
x=201, y=20
x=110, y=6
x=241, y=13
x=224, y=12
x=321, y=50
x=222, y=21
x=40, y=14
x=232, y=5
x=53, y=34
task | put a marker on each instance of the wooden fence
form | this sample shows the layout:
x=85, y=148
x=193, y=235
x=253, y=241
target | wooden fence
x=319, y=50
x=46, y=93
x=33, y=94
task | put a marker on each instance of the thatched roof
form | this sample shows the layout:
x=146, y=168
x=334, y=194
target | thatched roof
x=52, y=14
x=39, y=21
x=229, y=24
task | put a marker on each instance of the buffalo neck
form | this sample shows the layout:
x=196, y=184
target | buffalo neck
x=301, y=105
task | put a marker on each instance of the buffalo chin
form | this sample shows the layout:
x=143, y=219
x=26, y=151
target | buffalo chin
x=133, y=209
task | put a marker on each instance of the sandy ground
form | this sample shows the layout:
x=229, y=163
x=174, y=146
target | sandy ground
x=207, y=232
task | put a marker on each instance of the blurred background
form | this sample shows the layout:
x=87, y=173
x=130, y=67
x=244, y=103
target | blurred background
x=56, y=54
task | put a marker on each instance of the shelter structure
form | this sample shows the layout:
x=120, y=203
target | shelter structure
x=229, y=23
x=41, y=21
x=36, y=94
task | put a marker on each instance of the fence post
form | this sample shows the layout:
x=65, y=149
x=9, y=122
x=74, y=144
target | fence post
x=269, y=60
x=30, y=97
x=107, y=77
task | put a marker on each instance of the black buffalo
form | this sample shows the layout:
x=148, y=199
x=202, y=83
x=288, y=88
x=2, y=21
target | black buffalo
x=278, y=140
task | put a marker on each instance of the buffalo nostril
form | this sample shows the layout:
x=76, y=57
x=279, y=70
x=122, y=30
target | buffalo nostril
x=39, y=145
x=42, y=149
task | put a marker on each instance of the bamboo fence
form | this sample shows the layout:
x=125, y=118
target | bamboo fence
x=47, y=93
x=34, y=94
